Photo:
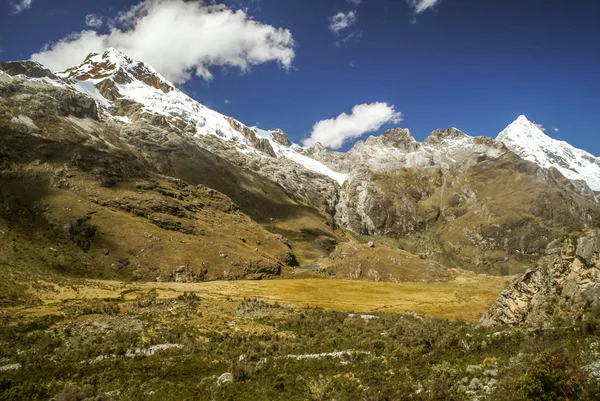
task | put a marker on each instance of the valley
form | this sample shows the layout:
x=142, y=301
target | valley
x=154, y=249
x=464, y=298
x=314, y=339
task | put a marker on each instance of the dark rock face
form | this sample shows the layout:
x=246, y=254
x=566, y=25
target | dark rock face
x=31, y=69
x=566, y=285
x=281, y=138
x=75, y=104
x=82, y=232
x=260, y=144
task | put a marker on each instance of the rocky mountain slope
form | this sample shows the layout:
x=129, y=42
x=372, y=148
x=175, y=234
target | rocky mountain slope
x=111, y=141
x=563, y=287
x=467, y=201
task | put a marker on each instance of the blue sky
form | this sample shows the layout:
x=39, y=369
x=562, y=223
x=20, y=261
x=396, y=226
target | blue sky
x=472, y=64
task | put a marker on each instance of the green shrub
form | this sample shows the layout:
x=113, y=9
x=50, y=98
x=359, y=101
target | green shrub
x=552, y=377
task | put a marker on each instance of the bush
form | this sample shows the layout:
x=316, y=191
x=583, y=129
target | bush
x=552, y=377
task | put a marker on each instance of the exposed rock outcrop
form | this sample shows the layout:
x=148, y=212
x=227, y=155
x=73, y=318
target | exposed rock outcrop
x=565, y=285
x=28, y=68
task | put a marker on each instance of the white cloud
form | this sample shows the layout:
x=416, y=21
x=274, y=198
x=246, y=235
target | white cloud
x=332, y=133
x=421, y=5
x=227, y=101
x=341, y=21
x=180, y=39
x=21, y=5
x=540, y=126
x=94, y=20
x=556, y=129
x=355, y=3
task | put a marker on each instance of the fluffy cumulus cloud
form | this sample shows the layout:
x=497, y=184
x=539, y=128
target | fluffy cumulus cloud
x=342, y=20
x=94, y=20
x=20, y=6
x=421, y=5
x=180, y=39
x=334, y=132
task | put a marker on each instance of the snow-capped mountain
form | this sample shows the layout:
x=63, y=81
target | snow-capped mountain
x=118, y=119
x=116, y=82
x=127, y=90
x=525, y=139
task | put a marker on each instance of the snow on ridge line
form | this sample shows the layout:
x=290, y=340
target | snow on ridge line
x=177, y=104
x=294, y=154
x=529, y=142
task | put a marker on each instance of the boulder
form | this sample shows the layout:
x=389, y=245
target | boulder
x=588, y=246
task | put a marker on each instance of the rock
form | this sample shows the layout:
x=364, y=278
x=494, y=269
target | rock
x=473, y=369
x=560, y=287
x=490, y=372
x=289, y=259
x=225, y=378
x=371, y=244
x=588, y=246
x=82, y=232
x=76, y=104
x=475, y=384
x=31, y=69
x=492, y=383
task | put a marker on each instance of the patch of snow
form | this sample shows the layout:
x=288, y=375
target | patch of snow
x=89, y=89
x=123, y=119
x=4, y=77
x=46, y=80
x=293, y=154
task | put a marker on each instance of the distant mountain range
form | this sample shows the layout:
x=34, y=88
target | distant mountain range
x=489, y=205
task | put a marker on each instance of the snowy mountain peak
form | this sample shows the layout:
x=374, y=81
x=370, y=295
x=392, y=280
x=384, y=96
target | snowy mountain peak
x=527, y=140
x=116, y=65
x=130, y=91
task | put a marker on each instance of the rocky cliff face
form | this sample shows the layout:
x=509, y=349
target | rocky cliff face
x=565, y=285
x=468, y=201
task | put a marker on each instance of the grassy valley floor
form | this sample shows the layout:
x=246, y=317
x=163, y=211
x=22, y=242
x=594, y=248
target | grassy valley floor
x=306, y=339
x=464, y=298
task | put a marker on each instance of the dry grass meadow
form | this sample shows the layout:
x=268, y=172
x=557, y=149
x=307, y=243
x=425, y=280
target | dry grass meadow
x=464, y=298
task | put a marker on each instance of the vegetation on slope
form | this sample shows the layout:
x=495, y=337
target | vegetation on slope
x=144, y=346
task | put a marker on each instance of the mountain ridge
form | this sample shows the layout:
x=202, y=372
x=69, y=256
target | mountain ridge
x=122, y=71
x=469, y=201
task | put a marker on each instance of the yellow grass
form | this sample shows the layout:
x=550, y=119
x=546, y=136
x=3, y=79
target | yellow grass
x=463, y=298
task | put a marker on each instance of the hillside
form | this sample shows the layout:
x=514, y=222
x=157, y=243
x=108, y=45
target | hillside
x=111, y=143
